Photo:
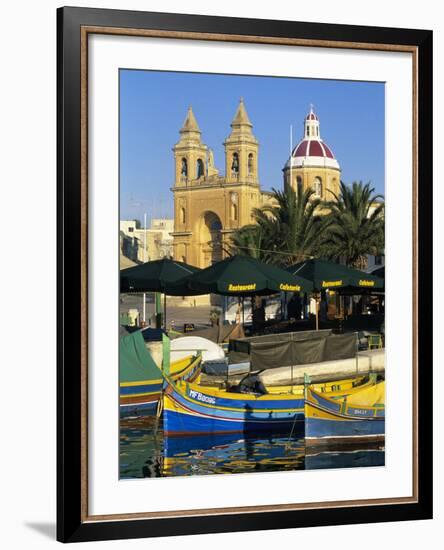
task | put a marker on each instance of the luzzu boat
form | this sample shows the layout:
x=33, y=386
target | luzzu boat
x=357, y=417
x=190, y=409
x=141, y=380
x=336, y=388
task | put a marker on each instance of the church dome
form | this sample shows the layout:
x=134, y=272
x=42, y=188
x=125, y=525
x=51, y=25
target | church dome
x=312, y=150
x=311, y=116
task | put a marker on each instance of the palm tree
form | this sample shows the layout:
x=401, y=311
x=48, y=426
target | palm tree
x=286, y=231
x=249, y=240
x=355, y=225
x=254, y=240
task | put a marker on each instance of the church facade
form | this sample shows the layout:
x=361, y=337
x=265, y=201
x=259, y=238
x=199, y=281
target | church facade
x=209, y=207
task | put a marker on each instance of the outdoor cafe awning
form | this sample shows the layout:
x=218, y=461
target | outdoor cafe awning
x=329, y=275
x=241, y=276
x=155, y=276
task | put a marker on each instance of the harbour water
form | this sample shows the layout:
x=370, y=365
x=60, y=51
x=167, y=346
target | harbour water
x=145, y=452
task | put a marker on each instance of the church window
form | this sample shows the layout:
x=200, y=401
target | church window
x=200, y=168
x=318, y=186
x=235, y=164
x=184, y=168
x=299, y=185
x=234, y=206
x=250, y=164
x=182, y=215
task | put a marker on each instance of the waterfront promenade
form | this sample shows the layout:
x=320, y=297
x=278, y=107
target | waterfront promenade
x=199, y=315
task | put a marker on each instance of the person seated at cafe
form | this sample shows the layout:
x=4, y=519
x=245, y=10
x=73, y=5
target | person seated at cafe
x=294, y=307
x=258, y=314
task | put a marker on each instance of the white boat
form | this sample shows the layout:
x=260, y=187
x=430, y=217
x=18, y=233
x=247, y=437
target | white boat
x=190, y=345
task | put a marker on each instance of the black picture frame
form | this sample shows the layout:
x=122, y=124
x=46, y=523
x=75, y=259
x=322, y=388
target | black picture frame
x=72, y=523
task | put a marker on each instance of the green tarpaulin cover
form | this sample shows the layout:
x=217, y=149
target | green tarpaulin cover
x=243, y=345
x=135, y=361
x=269, y=355
x=293, y=348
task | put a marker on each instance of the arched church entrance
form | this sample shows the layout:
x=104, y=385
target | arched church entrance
x=210, y=239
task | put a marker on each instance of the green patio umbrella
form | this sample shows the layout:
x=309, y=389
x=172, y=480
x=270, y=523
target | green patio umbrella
x=379, y=272
x=155, y=276
x=241, y=276
x=327, y=275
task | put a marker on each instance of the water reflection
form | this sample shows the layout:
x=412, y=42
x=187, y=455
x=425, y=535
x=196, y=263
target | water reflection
x=355, y=458
x=145, y=452
x=230, y=454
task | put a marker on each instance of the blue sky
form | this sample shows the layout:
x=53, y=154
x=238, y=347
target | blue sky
x=153, y=106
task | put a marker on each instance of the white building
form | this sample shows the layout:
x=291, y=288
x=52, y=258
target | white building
x=142, y=245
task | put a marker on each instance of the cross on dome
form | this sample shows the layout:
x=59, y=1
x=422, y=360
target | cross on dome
x=311, y=114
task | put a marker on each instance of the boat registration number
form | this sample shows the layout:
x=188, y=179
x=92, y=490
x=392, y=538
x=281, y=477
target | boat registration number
x=201, y=397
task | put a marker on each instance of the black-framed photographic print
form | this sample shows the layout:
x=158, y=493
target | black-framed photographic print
x=244, y=274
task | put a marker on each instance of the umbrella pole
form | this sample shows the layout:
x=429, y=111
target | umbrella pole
x=164, y=311
x=243, y=312
x=317, y=313
x=357, y=356
x=157, y=300
x=253, y=305
x=144, y=309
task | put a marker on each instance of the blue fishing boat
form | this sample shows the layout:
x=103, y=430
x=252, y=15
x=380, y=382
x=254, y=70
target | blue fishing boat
x=193, y=409
x=357, y=417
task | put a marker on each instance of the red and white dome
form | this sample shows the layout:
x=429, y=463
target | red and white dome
x=312, y=150
x=311, y=116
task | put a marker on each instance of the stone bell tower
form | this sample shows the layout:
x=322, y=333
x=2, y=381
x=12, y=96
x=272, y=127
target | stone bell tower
x=209, y=207
x=190, y=153
x=241, y=149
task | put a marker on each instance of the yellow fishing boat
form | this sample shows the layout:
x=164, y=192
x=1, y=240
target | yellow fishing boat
x=354, y=417
x=192, y=409
x=333, y=388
